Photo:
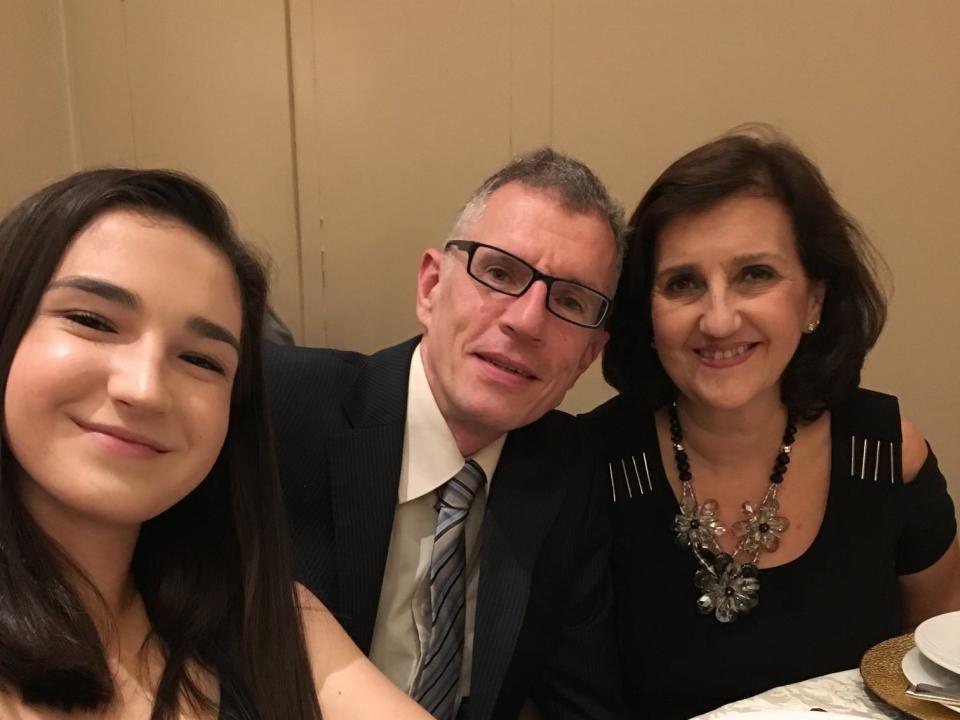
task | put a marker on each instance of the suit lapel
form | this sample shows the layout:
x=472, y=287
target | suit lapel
x=522, y=506
x=365, y=473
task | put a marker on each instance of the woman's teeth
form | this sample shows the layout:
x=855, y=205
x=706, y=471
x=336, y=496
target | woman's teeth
x=724, y=354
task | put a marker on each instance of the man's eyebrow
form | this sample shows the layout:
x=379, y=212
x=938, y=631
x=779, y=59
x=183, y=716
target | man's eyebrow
x=101, y=288
x=211, y=330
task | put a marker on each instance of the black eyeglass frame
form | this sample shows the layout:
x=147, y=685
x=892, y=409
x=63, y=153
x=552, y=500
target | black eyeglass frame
x=470, y=247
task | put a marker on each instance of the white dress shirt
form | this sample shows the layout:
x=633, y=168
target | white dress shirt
x=430, y=458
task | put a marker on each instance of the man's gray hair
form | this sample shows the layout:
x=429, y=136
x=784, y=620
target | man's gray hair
x=572, y=183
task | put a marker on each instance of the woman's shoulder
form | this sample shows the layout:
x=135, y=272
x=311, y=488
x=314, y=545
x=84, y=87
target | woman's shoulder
x=870, y=420
x=620, y=419
x=868, y=413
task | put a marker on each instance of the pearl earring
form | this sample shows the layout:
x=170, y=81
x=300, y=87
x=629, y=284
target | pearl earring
x=813, y=326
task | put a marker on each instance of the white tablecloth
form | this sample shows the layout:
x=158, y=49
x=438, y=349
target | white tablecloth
x=841, y=692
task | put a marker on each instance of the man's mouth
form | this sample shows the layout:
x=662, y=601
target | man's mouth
x=507, y=365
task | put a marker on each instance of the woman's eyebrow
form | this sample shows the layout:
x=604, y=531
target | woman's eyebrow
x=755, y=257
x=114, y=293
x=101, y=288
x=677, y=269
x=208, y=329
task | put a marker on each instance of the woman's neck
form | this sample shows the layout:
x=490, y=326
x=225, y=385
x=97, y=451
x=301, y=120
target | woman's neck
x=731, y=438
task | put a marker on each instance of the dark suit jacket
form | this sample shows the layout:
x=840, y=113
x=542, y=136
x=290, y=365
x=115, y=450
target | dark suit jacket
x=543, y=623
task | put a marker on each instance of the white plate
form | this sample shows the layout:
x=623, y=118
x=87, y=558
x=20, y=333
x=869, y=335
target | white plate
x=920, y=669
x=939, y=639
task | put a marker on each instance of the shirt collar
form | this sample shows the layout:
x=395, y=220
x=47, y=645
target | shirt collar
x=430, y=453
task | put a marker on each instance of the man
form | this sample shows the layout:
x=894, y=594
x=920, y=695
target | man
x=437, y=505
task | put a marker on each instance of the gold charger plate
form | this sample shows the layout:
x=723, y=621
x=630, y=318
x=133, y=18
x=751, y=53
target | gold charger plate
x=881, y=673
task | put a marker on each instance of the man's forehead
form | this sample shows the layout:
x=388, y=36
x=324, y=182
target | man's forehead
x=534, y=224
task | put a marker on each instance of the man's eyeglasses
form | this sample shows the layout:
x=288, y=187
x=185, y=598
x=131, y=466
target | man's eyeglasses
x=499, y=270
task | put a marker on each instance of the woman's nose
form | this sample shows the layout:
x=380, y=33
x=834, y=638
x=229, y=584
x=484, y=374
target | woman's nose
x=721, y=315
x=138, y=378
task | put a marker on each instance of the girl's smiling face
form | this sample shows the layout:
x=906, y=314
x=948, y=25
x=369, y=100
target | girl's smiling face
x=118, y=397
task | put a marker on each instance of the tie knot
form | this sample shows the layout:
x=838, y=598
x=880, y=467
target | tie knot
x=458, y=492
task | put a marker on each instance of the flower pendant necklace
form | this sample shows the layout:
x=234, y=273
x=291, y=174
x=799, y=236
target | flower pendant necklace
x=730, y=587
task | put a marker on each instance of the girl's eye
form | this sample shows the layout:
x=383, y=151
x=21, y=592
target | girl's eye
x=202, y=361
x=89, y=320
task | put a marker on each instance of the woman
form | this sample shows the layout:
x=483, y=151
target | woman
x=772, y=520
x=143, y=561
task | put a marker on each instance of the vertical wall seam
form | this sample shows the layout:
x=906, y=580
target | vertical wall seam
x=129, y=77
x=511, y=69
x=295, y=165
x=553, y=67
x=68, y=82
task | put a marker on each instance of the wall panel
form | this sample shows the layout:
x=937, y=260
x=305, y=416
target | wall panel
x=202, y=87
x=36, y=146
x=413, y=110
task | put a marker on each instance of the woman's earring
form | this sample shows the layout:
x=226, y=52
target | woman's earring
x=813, y=326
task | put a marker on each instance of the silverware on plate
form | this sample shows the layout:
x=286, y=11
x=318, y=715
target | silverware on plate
x=923, y=691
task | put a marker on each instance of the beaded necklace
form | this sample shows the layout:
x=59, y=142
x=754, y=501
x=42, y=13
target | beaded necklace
x=730, y=588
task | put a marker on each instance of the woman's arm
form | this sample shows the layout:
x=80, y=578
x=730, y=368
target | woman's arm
x=349, y=686
x=936, y=589
x=932, y=591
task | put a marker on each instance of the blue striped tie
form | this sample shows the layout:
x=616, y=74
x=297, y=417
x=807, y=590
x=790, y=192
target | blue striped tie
x=436, y=684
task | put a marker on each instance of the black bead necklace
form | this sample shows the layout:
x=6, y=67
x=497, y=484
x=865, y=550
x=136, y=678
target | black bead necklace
x=730, y=588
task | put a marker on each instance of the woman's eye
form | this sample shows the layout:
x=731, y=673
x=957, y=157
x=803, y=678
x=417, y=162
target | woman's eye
x=202, y=361
x=758, y=273
x=89, y=320
x=681, y=284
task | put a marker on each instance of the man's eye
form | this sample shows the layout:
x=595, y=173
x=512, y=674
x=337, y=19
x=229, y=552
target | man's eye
x=89, y=320
x=202, y=361
x=572, y=304
x=498, y=275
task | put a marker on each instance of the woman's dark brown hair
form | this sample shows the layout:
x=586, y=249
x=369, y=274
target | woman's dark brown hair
x=213, y=570
x=754, y=161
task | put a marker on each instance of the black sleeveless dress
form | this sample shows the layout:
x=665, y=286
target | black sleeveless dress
x=817, y=614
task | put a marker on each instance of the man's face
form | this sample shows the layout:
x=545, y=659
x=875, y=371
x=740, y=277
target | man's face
x=496, y=362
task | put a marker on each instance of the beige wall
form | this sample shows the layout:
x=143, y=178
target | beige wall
x=202, y=87
x=35, y=130
x=345, y=135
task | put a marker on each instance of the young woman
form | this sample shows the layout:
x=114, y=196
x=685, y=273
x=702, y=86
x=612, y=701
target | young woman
x=772, y=519
x=144, y=567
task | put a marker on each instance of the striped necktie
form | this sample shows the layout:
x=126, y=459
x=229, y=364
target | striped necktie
x=436, y=684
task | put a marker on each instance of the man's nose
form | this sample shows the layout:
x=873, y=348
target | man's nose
x=526, y=314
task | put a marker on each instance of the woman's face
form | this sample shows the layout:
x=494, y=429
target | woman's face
x=118, y=398
x=730, y=301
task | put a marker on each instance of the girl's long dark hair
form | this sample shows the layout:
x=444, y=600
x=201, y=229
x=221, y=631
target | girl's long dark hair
x=214, y=570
